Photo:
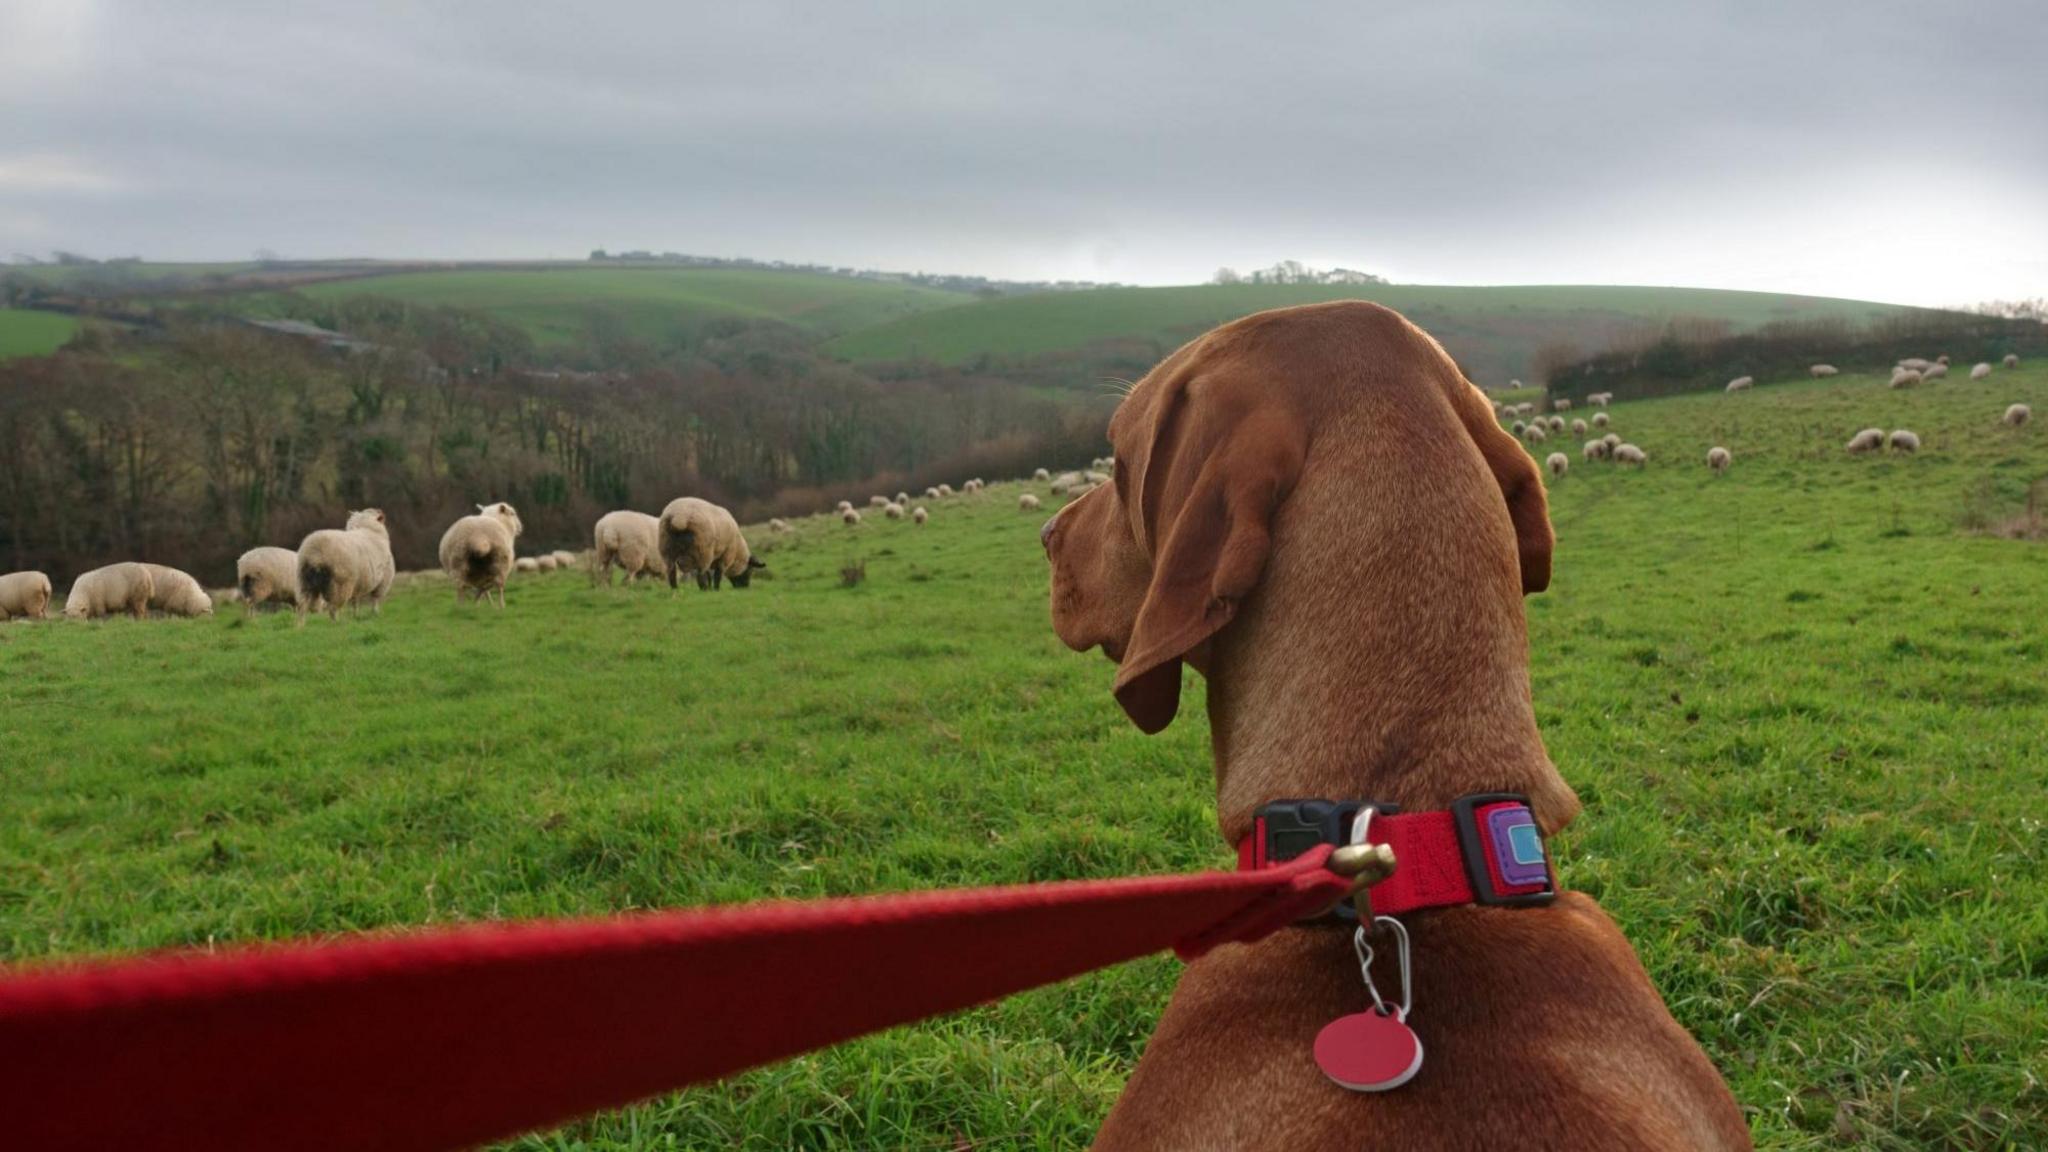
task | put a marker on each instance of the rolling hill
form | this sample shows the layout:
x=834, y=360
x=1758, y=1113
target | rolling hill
x=1493, y=331
x=29, y=333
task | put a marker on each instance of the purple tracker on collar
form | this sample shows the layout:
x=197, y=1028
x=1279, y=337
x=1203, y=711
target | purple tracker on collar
x=1517, y=845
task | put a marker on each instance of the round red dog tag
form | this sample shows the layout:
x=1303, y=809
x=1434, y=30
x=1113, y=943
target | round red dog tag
x=1368, y=1052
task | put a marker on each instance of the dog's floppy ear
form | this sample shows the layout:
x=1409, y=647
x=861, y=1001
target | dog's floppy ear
x=1208, y=475
x=1521, y=484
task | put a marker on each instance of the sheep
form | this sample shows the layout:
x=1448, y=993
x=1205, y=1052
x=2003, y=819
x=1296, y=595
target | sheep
x=893, y=510
x=1942, y=359
x=1822, y=371
x=1578, y=427
x=342, y=567
x=1599, y=419
x=1630, y=454
x=844, y=507
x=545, y=562
x=1535, y=434
x=1979, y=371
x=945, y=491
x=1934, y=371
x=176, y=593
x=975, y=485
x=1094, y=478
x=1514, y=383
x=1904, y=378
x=1718, y=460
x=1594, y=450
x=931, y=493
x=1556, y=423
x=918, y=515
x=1868, y=440
x=477, y=551
x=878, y=501
x=1040, y=475
x=2012, y=360
x=2018, y=415
x=1560, y=405
x=778, y=524
x=1557, y=462
x=903, y=498
x=106, y=591
x=1915, y=364
x=1518, y=428
x=631, y=540
x=1027, y=503
x=1903, y=441
x=267, y=576
x=564, y=559
x=850, y=517
x=1600, y=399
x=1611, y=440
x=526, y=564
x=699, y=538
x=1066, y=482
x=25, y=594
x=1741, y=384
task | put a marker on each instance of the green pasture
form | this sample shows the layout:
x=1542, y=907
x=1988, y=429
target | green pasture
x=1804, y=704
x=29, y=333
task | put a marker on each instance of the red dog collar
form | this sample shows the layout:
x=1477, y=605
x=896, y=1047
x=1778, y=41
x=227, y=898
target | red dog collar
x=1486, y=849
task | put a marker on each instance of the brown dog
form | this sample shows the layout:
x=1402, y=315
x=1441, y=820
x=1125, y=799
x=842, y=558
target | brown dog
x=1318, y=512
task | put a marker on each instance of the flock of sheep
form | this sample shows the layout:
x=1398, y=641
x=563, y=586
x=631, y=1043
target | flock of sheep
x=1069, y=484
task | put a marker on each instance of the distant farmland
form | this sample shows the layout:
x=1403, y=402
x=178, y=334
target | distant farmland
x=24, y=333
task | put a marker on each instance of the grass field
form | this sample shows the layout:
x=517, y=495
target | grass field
x=1493, y=331
x=29, y=333
x=553, y=306
x=1803, y=707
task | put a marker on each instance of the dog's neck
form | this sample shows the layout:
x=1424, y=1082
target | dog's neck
x=1384, y=657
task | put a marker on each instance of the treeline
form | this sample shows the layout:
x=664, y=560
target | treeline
x=192, y=440
x=1694, y=355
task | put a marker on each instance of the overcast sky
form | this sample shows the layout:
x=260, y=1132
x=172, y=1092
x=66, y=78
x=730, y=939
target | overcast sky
x=1870, y=148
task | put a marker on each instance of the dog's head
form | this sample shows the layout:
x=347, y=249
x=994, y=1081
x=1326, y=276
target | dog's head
x=1210, y=445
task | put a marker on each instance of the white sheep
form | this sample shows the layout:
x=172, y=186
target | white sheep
x=945, y=491
x=778, y=524
x=2012, y=360
x=564, y=560
x=267, y=576
x=1556, y=423
x=1934, y=371
x=1915, y=364
x=526, y=564
x=106, y=591
x=1514, y=383
x=1820, y=371
x=1560, y=405
x=1027, y=503
x=1517, y=428
x=175, y=593
x=1578, y=427
x=1066, y=482
x=1942, y=359
x=477, y=551
x=545, y=562
x=1904, y=441
x=893, y=510
x=631, y=540
x=1092, y=478
x=1979, y=371
x=25, y=594
x=844, y=507
x=878, y=501
x=850, y=517
x=1535, y=434
x=974, y=485
x=1041, y=475
x=931, y=493
x=1611, y=440
x=342, y=567
x=1557, y=462
x=701, y=539
x=1718, y=460
x=918, y=515
x=903, y=498
x=1630, y=454
x=1868, y=440
x=2018, y=415
x=1594, y=450
x=1600, y=399
x=1741, y=384
x=1599, y=419
x=1904, y=378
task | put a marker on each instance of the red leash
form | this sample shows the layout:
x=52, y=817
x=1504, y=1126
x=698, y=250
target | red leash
x=450, y=1038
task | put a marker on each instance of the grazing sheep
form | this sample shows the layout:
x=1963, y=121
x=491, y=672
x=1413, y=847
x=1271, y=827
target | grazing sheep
x=106, y=591
x=1942, y=359
x=700, y=539
x=1904, y=441
x=878, y=501
x=1514, y=383
x=1820, y=371
x=945, y=491
x=267, y=576
x=1027, y=503
x=1934, y=371
x=1630, y=454
x=342, y=567
x=25, y=594
x=176, y=593
x=2018, y=415
x=1556, y=423
x=1041, y=475
x=1595, y=450
x=1868, y=440
x=1578, y=427
x=1979, y=371
x=893, y=510
x=1560, y=405
x=1557, y=462
x=931, y=493
x=564, y=558
x=1535, y=434
x=1904, y=378
x=850, y=517
x=973, y=485
x=1093, y=478
x=545, y=562
x=477, y=551
x=526, y=564
x=1718, y=460
x=1741, y=384
x=918, y=515
x=1600, y=399
x=1915, y=364
x=631, y=540
x=1599, y=419
x=844, y=506
x=1066, y=482
x=1611, y=440
x=1518, y=428
x=2012, y=360
x=778, y=524
x=903, y=498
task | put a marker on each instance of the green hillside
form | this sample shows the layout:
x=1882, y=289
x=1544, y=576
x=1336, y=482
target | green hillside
x=1492, y=331
x=1802, y=703
x=556, y=305
x=28, y=333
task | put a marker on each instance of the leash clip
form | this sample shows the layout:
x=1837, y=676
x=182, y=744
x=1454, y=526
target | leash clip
x=1365, y=862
